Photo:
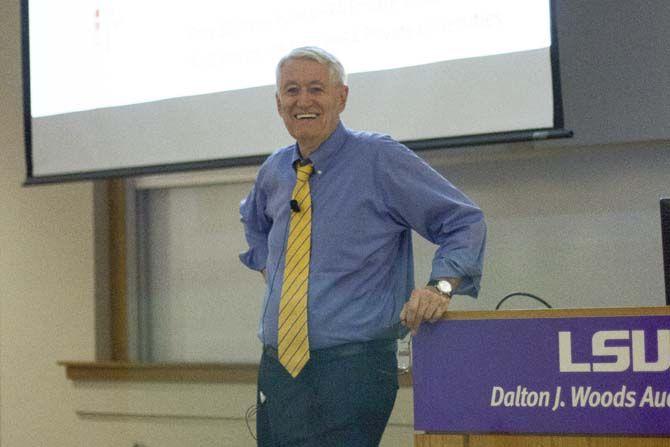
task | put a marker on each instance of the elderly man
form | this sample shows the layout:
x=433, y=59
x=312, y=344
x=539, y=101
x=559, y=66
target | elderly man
x=328, y=223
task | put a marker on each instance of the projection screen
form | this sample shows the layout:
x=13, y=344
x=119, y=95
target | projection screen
x=135, y=87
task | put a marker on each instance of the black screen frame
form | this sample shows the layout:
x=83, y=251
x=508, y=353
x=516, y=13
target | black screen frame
x=664, y=204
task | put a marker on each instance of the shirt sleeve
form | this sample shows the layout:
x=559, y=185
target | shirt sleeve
x=419, y=197
x=256, y=227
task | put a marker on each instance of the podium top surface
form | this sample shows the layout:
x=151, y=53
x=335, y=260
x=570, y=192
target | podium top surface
x=558, y=313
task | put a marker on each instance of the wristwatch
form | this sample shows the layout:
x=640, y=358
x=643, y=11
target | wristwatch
x=443, y=286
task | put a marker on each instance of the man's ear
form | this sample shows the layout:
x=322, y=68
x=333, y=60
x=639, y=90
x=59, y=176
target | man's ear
x=344, y=94
x=278, y=103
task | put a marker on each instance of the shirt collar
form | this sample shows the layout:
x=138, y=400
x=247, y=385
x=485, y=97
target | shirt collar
x=323, y=155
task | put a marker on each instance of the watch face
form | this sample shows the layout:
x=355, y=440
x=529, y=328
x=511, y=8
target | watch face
x=444, y=286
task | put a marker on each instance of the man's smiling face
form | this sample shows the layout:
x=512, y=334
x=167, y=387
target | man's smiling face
x=309, y=102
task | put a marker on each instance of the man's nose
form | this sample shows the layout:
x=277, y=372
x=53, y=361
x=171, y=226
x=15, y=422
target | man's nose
x=304, y=98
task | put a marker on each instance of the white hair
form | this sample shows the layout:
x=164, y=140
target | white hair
x=337, y=73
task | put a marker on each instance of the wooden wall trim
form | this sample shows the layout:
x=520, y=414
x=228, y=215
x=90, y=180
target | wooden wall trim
x=171, y=372
x=160, y=372
x=118, y=281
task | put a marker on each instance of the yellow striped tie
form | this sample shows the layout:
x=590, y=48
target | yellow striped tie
x=293, y=343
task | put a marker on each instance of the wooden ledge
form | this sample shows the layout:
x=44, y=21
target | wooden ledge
x=160, y=372
x=171, y=372
x=558, y=313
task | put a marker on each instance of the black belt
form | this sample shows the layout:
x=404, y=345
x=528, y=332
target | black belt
x=345, y=350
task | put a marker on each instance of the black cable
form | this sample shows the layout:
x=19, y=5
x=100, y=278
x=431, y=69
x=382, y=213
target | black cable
x=529, y=295
x=251, y=412
x=271, y=283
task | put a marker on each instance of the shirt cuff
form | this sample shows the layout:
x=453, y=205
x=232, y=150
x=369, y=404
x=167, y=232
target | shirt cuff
x=470, y=278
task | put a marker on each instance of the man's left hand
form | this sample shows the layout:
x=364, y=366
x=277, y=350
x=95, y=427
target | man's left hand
x=425, y=304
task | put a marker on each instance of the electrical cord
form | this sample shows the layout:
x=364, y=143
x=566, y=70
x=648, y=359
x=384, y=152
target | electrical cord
x=252, y=410
x=529, y=295
x=270, y=284
x=250, y=413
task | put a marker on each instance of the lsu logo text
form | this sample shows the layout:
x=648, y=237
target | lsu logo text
x=630, y=350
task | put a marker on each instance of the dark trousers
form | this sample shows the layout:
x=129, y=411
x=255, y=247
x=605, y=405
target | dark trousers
x=342, y=398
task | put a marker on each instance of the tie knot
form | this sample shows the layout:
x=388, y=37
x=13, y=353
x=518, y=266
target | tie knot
x=303, y=172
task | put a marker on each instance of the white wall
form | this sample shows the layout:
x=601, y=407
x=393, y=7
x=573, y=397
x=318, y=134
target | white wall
x=592, y=199
x=46, y=277
x=577, y=226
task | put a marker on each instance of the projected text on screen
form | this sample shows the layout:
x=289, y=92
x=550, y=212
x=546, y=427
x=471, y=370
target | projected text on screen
x=94, y=54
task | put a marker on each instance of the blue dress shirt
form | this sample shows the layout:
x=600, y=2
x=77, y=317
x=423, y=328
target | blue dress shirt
x=368, y=193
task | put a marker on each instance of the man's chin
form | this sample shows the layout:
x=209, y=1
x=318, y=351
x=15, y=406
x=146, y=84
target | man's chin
x=303, y=135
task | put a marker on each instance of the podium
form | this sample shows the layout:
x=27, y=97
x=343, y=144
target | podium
x=554, y=378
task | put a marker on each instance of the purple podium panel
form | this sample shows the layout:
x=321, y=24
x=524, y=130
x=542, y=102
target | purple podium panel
x=581, y=375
